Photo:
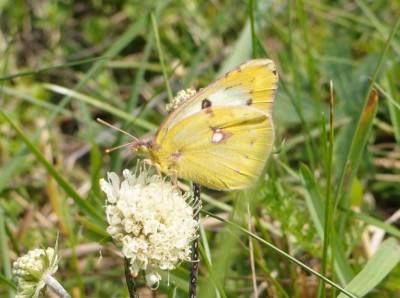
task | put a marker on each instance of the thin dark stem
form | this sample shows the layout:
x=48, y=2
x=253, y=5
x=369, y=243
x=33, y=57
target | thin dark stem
x=133, y=293
x=195, y=247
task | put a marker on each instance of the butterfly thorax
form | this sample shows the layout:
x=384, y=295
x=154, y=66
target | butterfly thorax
x=150, y=149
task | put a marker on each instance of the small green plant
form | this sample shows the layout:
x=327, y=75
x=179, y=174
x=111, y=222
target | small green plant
x=322, y=220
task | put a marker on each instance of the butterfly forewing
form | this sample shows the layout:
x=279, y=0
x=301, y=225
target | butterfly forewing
x=252, y=83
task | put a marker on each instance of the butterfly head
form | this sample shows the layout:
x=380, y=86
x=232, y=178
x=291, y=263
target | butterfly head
x=141, y=146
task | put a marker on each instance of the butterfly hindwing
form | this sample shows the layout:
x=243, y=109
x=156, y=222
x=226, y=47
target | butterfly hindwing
x=223, y=147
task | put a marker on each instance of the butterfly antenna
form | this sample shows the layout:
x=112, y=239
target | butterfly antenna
x=120, y=130
x=116, y=128
x=118, y=147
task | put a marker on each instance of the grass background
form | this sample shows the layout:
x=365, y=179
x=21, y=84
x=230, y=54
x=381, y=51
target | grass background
x=327, y=193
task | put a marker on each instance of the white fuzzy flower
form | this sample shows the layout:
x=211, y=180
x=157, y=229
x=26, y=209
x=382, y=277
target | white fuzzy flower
x=31, y=270
x=152, y=221
x=180, y=98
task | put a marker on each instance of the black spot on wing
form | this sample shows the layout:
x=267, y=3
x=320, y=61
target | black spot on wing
x=205, y=103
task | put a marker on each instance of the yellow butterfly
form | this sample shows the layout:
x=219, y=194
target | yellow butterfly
x=220, y=137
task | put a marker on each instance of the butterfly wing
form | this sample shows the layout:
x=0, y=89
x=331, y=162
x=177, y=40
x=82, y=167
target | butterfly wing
x=222, y=148
x=252, y=83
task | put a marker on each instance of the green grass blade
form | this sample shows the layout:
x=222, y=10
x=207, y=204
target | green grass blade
x=5, y=257
x=376, y=23
x=7, y=282
x=377, y=268
x=46, y=69
x=116, y=159
x=161, y=57
x=357, y=146
x=389, y=229
x=215, y=282
x=393, y=98
x=311, y=68
x=36, y=101
x=200, y=54
x=101, y=105
x=316, y=208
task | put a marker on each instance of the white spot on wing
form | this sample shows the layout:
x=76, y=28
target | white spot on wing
x=220, y=135
x=217, y=137
x=235, y=96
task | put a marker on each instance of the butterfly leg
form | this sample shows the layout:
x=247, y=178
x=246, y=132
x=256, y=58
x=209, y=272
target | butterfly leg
x=174, y=174
x=150, y=163
x=156, y=166
x=145, y=162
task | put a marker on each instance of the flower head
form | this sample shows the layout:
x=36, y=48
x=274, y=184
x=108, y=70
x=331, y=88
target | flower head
x=180, y=98
x=31, y=270
x=152, y=221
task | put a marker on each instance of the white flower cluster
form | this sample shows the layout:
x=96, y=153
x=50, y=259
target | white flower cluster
x=180, y=98
x=151, y=220
x=31, y=269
